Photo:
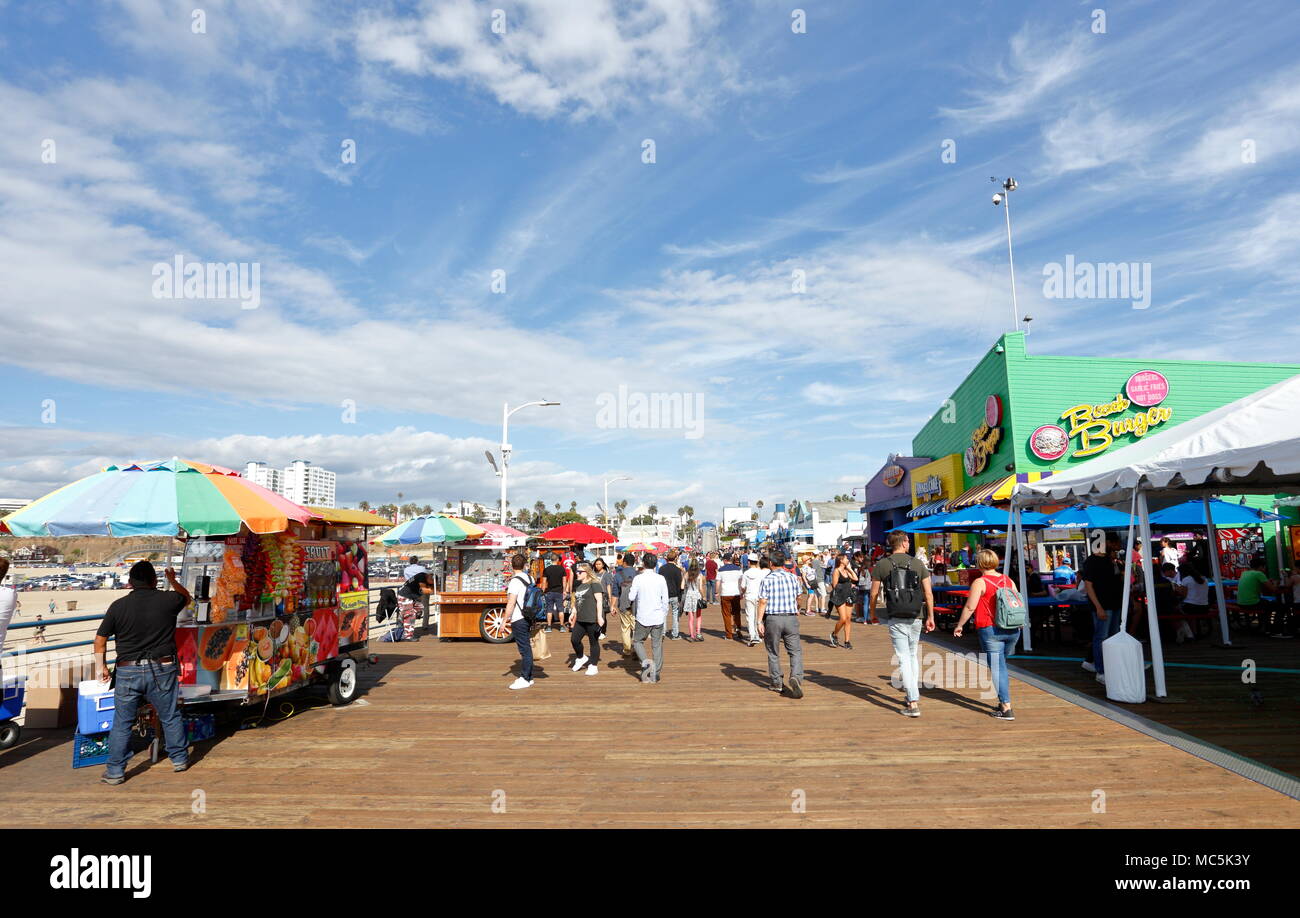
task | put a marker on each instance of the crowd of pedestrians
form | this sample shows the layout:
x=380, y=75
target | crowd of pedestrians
x=646, y=600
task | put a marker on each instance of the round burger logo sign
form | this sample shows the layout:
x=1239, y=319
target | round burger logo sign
x=1095, y=427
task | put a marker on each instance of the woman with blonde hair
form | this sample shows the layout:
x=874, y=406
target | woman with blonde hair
x=996, y=643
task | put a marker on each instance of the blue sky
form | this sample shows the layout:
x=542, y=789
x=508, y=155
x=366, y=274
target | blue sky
x=775, y=152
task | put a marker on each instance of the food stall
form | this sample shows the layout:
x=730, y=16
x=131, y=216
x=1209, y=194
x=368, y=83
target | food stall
x=471, y=600
x=273, y=612
x=279, y=594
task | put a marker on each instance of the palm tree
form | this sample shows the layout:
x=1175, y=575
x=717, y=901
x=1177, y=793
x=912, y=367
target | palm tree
x=364, y=505
x=619, y=507
x=758, y=504
x=447, y=505
x=557, y=508
x=653, y=511
x=573, y=506
x=688, y=511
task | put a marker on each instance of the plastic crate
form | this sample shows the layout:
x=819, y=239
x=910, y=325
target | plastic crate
x=89, y=750
x=200, y=727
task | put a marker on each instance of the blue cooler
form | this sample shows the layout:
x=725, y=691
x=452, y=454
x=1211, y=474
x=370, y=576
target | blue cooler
x=94, y=707
x=11, y=698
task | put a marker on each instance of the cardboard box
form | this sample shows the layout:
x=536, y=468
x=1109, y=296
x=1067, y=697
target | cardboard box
x=52, y=694
x=48, y=708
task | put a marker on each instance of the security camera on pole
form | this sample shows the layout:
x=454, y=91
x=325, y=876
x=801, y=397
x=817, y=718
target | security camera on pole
x=1004, y=197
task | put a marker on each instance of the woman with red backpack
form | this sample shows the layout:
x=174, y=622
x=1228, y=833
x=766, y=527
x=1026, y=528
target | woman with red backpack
x=996, y=642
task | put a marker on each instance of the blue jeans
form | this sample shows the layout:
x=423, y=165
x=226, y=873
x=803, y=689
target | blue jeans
x=1100, y=631
x=159, y=685
x=997, y=644
x=522, y=632
x=712, y=591
x=905, y=635
x=674, y=612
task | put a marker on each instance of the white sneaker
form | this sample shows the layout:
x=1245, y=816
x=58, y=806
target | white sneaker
x=521, y=683
x=1101, y=678
x=579, y=663
x=1088, y=667
x=592, y=670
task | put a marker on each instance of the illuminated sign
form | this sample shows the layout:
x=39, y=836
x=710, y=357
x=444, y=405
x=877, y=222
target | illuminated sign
x=1095, y=427
x=893, y=475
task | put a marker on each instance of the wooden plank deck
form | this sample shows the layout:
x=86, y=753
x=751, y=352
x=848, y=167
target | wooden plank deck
x=439, y=739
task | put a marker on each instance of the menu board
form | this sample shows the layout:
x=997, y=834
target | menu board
x=1237, y=548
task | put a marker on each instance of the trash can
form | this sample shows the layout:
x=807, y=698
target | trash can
x=72, y=605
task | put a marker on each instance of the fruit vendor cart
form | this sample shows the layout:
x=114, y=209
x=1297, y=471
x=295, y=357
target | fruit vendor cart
x=275, y=612
x=279, y=591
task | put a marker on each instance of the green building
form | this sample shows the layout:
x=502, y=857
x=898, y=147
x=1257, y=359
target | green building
x=1020, y=417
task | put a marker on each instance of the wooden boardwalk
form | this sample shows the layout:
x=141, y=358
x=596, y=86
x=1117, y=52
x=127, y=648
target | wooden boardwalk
x=440, y=742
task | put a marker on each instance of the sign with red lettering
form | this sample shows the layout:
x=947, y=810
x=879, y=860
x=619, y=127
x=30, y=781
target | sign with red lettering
x=1146, y=388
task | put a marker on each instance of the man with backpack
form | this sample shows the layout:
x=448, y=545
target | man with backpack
x=905, y=582
x=520, y=594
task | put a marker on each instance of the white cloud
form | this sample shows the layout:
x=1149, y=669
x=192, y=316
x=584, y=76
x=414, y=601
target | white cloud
x=577, y=58
x=1035, y=68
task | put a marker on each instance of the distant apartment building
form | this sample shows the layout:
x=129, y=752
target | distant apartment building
x=265, y=475
x=10, y=504
x=309, y=485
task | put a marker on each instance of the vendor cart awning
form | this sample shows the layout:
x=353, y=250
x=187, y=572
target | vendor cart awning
x=996, y=490
x=580, y=533
x=433, y=529
x=927, y=508
x=177, y=497
x=341, y=516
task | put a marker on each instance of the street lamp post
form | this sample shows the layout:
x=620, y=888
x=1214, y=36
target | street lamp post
x=1003, y=197
x=608, y=482
x=506, y=411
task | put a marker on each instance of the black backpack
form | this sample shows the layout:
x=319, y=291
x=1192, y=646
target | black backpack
x=904, y=596
x=387, y=604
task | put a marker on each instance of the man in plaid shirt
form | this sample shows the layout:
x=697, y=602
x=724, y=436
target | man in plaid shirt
x=778, y=623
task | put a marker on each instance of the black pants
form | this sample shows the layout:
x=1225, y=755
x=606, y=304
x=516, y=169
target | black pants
x=522, y=632
x=589, y=630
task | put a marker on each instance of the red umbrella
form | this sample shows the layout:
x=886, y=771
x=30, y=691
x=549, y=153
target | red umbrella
x=661, y=546
x=578, y=532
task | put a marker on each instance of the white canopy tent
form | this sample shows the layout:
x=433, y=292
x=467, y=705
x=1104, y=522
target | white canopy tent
x=1251, y=445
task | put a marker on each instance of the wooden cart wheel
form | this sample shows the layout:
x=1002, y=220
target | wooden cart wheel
x=493, y=625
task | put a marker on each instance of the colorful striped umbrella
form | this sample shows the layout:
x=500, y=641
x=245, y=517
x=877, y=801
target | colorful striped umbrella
x=173, y=498
x=435, y=528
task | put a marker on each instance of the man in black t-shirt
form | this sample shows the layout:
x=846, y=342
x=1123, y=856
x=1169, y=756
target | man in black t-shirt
x=554, y=585
x=143, y=624
x=1104, y=584
x=672, y=573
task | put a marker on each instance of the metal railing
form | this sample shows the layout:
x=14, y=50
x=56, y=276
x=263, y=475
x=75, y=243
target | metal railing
x=85, y=637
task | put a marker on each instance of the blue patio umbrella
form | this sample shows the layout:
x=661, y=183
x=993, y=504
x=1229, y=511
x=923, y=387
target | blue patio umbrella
x=979, y=518
x=1086, y=516
x=1192, y=513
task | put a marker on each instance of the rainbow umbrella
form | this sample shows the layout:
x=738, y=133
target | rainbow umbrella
x=173, y=498
x=435, y=528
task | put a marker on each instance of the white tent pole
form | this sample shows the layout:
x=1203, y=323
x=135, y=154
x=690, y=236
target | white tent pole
x=1011, y=527
x=1128, y=562
x=1024, y=589
x=1212, y=540
x=1281, y=556
x=1153, y=621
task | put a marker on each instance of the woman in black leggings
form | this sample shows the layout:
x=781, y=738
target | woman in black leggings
x=587, y=618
